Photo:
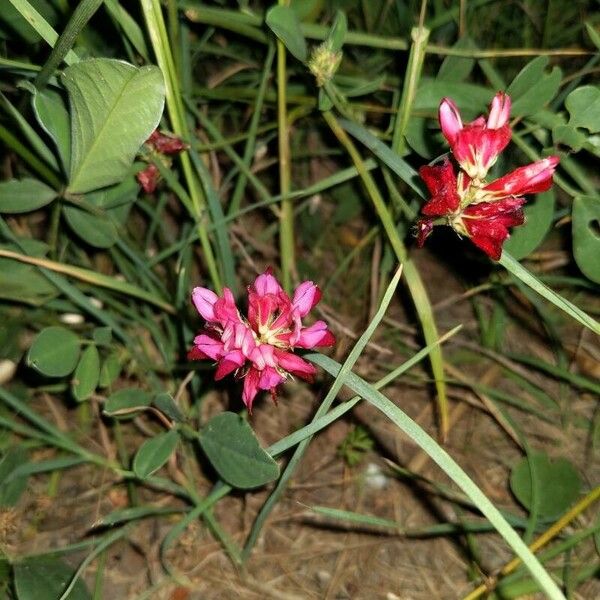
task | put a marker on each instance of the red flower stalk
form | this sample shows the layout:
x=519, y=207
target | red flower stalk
x=482, y=211
x=259, y=348
x=163, y=145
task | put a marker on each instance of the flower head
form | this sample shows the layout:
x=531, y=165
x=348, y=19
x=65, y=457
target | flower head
x=259, y=348
x=474, y=208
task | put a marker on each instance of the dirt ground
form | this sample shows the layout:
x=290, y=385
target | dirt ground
x=303, y=555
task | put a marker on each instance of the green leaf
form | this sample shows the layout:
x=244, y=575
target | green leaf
x=558, y=481
x=30, y=134
x=97, y=230
x=52, y=115
x=569, y=136
x=11, y=488
x=46, y=579
x=24, y=195
x=533, y=88
x=87, y=374
x=22, y=282
x=538, y=214
x=586, y=235
x=234, y=451
x=457, y=68
x=54, y=352
x=110, y=370
x=102, y=336
x=593, y=34
x=338, y=32
x=165, y=403
x=154, y=453
x=583, y=105
x=470, y=98
x=114, y=108
x=127, y=402
x=307, y=10
x=284, y=23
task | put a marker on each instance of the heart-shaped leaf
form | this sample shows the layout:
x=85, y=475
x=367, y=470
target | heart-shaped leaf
x=284, y=23
x=166, y=404
x=538, y=214
x=583, y=105
x=557, y=480
x=42, y=578
x=87, y=374
x=127, y=402
x=114, y=108
x=53, y=116
x=54, y=352
x=11, y=488
x=533, y=88
x=154, y=453
x=586, y=235
x=234, y=451
x=24, y=195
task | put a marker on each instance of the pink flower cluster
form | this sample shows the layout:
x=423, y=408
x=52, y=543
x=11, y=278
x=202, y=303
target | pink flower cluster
x=474, y=208
x=259, y=348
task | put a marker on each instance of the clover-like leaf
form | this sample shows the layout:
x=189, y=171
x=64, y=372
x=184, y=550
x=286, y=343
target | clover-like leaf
x=114, y=108
x=234, y=451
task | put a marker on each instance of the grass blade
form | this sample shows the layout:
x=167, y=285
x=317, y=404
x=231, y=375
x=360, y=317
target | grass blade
x=449, y=466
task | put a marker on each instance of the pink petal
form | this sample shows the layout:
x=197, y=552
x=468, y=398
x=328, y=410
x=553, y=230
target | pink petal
x=499, y=111
x=263, y=356
x=230, y=362
x=306, y=296
x=250, y=387
x=270, y=378
x=450, y=120
x=204, y=301
x=225, y=308
x=530, y=179
x=267, y=284
x=315, y=335
x=294, y=364
x=209, y=346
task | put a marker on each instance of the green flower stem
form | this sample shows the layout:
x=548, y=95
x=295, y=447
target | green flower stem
x=248, y=24
x=160, y=43
x=413, y=278
x=83, y=12
x=411, y=82
x=240, y=186
x=42, y=27
x=286, y=215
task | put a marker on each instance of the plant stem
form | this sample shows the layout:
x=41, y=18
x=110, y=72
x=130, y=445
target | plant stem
x=413, y=278
x=83, y=12
x=286, y=216
x=160, y=43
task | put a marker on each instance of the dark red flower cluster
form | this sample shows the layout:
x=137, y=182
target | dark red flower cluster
x=162, y=145
x=474, y=208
